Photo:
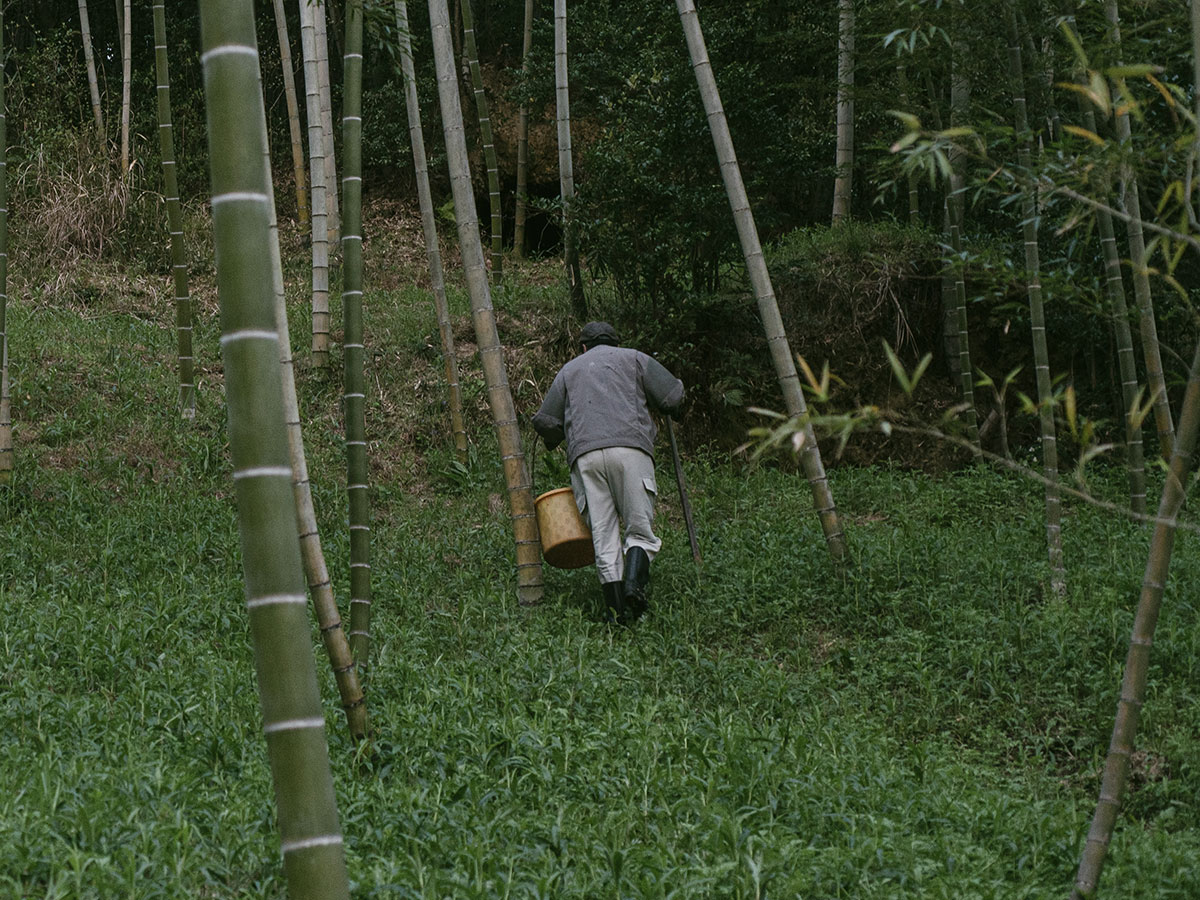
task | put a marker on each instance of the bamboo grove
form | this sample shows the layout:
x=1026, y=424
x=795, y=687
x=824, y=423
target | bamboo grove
x=997, y=143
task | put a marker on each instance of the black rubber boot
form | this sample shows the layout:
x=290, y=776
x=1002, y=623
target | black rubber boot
x=637, y=578
x=614, y=602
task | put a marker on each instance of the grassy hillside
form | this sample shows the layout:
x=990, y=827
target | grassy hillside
x=929, y=722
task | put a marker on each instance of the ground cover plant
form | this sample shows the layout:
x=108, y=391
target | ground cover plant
x=928, y=721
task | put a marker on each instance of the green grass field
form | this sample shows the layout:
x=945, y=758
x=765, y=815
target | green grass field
x=927, y=723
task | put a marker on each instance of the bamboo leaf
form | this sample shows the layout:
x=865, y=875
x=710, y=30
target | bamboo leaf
x=1136, y=70
x=898, y=369
x=1161, y=88
x=1069, y=409
x=1084, y=133
x=908, y=120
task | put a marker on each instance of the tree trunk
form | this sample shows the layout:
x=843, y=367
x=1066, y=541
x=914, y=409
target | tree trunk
x=760, y=279
x=90, y=60
x=436, y=275
x=1137, y=660
x=289, y=91
x=313, y=859
x=126, y=72
x=353, y=350
x=523, y=140
x=566, y=170
x=179, y=268
x=491, y=353
x=489, y=145
x=1037, y=317
x=326, y=120
x=1141, y=276
x=316, y=156
x=845, y=112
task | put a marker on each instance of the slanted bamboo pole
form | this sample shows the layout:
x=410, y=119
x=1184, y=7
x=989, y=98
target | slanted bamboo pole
x=489, y=144
x=179, y=266
x=1151, y=352
x=89, y=60
x=491, y=353
x=566, y=168
x=311, y=840
x=293, y=108
x=320, y=586
x=523, y=140
x=353, y=350
x=429, y=226
x=760, y=279
x=1137, y=660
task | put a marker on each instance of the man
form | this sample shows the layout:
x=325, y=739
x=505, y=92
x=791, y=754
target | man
x=600, y=403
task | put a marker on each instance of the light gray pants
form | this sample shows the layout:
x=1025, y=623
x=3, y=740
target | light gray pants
x=614, y=485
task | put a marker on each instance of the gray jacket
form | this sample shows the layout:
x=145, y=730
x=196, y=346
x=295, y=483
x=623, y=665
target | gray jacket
x=602, y=398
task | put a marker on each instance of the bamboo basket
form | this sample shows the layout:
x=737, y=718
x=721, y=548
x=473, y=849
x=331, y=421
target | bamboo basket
x=566, y=540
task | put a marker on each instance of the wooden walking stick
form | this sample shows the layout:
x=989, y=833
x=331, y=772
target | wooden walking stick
x=683, y=496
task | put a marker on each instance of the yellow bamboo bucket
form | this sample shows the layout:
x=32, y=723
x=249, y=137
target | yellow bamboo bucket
x=566, y=540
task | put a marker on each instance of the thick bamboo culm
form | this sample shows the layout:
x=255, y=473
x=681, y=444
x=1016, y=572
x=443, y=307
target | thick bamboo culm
x=491, y=353
x=760, y=279
x=353, y=350
x=179, y=266
x=311, y=841
x=429, y=226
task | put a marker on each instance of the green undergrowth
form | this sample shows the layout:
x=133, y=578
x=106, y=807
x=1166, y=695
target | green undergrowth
x=928, y=721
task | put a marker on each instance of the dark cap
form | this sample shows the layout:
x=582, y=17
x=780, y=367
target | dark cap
x=598, y=333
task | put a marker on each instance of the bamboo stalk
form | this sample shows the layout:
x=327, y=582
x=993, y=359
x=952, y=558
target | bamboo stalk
x=523, y=140
x=432, y=251
x=353, y=350
x=326, y=119
x=491, y=353
x=316, y=574
x=1151, y=352
x=311, y=840
x=566, y=170
x=289, y=92
x=489, y=144
x=6, y=434
x=1037, y=317
x=319, y=233
x=179, y=266
x=760, y=279
x=1137, y=660
x=90, y=61
x=126, y=77
x=960, y=99
x=844, y=165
